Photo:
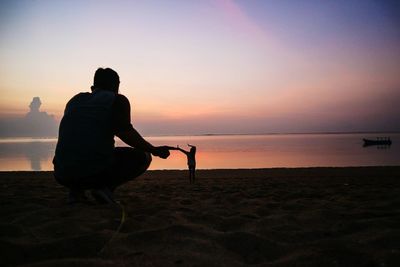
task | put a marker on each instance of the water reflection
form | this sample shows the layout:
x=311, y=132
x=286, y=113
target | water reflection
x=295, y=150
x=259, y=151
x=27, y=155
x=37, y=152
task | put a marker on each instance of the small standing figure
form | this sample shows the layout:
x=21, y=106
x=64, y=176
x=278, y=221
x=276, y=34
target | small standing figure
x=191, y=161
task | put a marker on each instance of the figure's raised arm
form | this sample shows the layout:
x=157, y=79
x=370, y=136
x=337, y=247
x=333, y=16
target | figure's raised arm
x=183, y=151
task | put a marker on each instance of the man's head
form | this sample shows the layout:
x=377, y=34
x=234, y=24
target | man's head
x=106, y=79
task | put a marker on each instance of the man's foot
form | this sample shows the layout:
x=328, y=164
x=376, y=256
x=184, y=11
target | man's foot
x=103, y=196
x=77, y=196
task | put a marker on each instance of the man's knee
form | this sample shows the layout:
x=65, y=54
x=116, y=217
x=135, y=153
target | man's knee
x=148, y=159
x=143, y=165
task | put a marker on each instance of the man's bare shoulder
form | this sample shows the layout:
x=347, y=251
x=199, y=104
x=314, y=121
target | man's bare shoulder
x=122, y=98
x=121, y=101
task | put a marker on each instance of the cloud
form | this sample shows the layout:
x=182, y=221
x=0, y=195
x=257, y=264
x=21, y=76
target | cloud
x=35, y=123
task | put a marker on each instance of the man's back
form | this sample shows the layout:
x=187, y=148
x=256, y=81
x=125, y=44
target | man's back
x=86, y=139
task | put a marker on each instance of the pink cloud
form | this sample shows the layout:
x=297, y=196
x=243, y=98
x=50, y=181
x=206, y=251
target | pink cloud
x=238, y=17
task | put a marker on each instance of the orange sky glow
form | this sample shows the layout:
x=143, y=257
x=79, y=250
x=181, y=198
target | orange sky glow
x=213, y=66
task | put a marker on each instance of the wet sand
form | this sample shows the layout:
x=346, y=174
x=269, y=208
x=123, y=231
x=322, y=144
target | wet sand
x=266, y=217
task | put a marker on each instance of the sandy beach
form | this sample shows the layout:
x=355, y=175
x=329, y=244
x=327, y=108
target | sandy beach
x=259, y=217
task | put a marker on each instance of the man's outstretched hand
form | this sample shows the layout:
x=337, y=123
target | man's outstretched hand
x=161, y=151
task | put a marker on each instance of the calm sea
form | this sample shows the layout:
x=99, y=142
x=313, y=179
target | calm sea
x=230, y=151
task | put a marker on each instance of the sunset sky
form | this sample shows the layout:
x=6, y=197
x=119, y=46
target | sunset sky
x=210, y=66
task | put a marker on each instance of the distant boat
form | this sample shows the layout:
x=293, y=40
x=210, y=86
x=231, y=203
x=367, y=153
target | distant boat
x=379, y=141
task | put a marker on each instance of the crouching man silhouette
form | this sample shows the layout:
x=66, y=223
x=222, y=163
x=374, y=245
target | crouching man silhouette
x=85, y=156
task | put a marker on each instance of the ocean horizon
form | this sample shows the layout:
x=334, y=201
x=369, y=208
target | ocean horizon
x=28, y=138
x=230, y=151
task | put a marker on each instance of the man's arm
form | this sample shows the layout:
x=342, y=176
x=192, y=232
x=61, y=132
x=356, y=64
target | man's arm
x=134, y=139
x=125, y=131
